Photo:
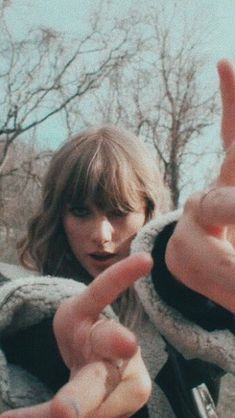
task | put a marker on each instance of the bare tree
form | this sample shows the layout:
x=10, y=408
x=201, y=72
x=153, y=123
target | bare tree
x=21, y=186
x=40, y=76
x=182, y=110
x=161, y=96
x=131, y=72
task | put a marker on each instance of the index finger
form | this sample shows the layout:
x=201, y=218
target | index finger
x=111, y=283
x=227, y=90
x=216, y=205
x=227, y=171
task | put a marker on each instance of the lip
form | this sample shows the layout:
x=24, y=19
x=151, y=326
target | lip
x=102, y=257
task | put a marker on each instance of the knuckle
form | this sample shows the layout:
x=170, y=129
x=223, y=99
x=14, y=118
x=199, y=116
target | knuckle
x=192, y=202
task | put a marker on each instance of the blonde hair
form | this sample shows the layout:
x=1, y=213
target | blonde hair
x=109, y=166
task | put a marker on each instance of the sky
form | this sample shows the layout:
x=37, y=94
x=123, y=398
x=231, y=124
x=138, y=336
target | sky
x=216, y=20
x=70, y=16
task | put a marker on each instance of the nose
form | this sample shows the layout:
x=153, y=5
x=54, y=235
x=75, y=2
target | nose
x=103, y=230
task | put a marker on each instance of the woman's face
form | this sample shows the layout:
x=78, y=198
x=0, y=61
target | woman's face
x=99, y=239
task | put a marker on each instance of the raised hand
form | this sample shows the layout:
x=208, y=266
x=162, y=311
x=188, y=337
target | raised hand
x=108, y=377
x=201, y=252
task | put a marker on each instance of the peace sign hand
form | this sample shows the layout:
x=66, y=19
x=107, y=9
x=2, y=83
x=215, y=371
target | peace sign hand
x=100, y=385
x=201, y=253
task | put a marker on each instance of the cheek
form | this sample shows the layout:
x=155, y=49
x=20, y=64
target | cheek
x=134, y=224
x=72, y=230
x=76, y=237
x=139, y=221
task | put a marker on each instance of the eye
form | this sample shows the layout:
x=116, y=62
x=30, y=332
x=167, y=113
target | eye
x=79, y=211
x=118, y=213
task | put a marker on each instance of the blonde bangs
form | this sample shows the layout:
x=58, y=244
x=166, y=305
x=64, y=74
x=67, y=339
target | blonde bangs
x=109, y=167
x=104, y=176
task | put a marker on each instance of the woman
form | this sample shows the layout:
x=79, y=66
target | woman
x=98, y=194
x=92, y=208
x=104, y=176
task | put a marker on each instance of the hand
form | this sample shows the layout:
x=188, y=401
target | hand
x=100, y=385
x=200, y=253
